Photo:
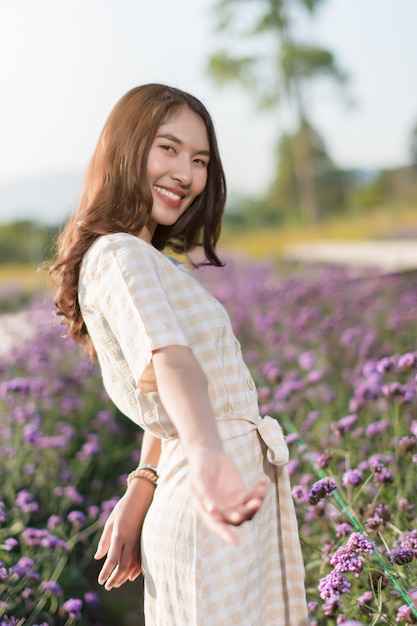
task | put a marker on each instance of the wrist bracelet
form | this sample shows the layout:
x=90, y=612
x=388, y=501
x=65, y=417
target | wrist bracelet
x=148, y=466
x=149, y=472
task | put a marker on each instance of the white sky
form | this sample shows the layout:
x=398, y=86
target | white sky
x=63, y=65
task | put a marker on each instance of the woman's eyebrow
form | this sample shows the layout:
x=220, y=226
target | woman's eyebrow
x=178, y=141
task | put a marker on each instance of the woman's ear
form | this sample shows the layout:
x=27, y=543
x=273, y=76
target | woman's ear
x=105, y=136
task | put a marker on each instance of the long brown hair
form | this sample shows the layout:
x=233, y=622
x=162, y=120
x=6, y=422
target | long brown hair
x=116, y=196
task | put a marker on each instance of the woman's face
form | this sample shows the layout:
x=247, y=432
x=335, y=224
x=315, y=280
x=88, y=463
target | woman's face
x=177, y=167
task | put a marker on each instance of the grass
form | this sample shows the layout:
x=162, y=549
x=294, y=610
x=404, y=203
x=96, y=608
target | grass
x=262, y=243
x=15, y=278
x=272, y=242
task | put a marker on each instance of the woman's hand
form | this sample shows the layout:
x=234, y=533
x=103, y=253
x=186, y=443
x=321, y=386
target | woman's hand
x=222, y=498
x=121, y=535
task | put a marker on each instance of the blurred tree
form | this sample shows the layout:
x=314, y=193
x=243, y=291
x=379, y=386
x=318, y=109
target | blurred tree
x=26, y=242
x=329, y=181
x=413, y=146
x=281, y=75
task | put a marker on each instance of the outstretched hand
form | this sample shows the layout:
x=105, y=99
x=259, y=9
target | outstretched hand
x=221, y=496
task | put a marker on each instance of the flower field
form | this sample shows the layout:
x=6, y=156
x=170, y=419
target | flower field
x=335, y=359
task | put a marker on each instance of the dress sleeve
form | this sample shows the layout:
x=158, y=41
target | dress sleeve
x=132, y=296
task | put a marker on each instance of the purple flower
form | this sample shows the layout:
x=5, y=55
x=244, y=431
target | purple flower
x=307, y=360
x=366, y=598
x=410, y=541
x=346, y=560
x=24, y=566
x=42, y=538
x=2, y=513
x=407, y=444
x=300, y=493
x=385, y=365
x=9, y=621
x=71, y=493
x=25, y=501
x=402, y=556
x=343, y=529
x=345, y=424
x=352, y=477
x=76, y=517
x=291, y=438
x=93, y=512
x=359, y=543
x=383, y=476
x=323, y=460
x=406, y=615
x=375, y=428
x=10, y=544
x=73, y=608
x=53, y=521
x=332, y=585
x=407, y=361
x=375, y=521
x=293, y=465
x=4, y=575
x=52, y=587
x=91, y=599
x=90, y=448
x=393, y=390
x=380, y=514
x=322, y=488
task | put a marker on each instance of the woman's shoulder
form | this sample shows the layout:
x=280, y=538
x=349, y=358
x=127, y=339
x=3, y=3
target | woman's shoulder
x=119, y=245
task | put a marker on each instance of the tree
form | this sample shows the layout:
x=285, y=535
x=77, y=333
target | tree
x=282, y=75
x=283, y=193
x=413, y=146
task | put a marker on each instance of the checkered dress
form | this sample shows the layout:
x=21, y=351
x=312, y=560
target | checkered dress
x=135, y=300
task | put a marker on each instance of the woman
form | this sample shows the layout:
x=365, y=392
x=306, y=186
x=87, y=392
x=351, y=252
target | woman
x=170, y=362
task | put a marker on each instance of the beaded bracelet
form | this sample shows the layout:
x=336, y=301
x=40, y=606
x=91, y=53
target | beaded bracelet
x=150, y=472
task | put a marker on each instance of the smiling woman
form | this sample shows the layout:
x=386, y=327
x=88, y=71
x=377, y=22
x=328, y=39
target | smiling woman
x=214, y=543
x=177, y=168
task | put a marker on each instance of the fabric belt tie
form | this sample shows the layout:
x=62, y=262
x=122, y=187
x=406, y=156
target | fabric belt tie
x=271, y=434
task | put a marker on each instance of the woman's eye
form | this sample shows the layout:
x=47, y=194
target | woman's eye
x=201, y=162
x=168, y=148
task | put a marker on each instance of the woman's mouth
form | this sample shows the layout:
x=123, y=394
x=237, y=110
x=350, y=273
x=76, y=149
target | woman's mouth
x=168, y=193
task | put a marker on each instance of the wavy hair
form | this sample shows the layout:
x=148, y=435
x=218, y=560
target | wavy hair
x=116, y=196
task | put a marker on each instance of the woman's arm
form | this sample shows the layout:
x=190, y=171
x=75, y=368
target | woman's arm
x=221, y=496
x=121, y=535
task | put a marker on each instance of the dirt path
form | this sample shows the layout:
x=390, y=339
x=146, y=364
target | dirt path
x=387, y=256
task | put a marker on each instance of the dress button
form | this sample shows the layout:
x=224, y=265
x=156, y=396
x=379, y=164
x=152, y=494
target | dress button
x=250, y=384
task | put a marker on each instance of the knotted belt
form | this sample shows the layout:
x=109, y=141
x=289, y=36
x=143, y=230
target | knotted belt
x=268, y=429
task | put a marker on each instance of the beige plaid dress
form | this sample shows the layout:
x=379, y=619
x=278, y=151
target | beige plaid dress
x=135, y=300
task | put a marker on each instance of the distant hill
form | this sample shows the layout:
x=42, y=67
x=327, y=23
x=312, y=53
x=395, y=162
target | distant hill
x=48, y=199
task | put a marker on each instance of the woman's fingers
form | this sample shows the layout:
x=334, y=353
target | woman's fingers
x=122, y=563
x=219, y=519
x=213, y=519
x=104, y=542
x=252, y=502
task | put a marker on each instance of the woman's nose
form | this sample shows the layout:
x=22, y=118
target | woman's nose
x=183, y=172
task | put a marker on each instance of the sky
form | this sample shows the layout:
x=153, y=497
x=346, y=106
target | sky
x=63, y=65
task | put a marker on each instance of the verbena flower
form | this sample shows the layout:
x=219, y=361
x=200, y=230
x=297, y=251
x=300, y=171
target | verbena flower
x=406, y=615
x=332, y=585
x=73, y=608
x=76, y=517
x=52, y=586
x=346, y=560
x=401, y=556
x=91, y=599
x=322, y=488
x=345, y=424
x=352, y=477
x=26, y=502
